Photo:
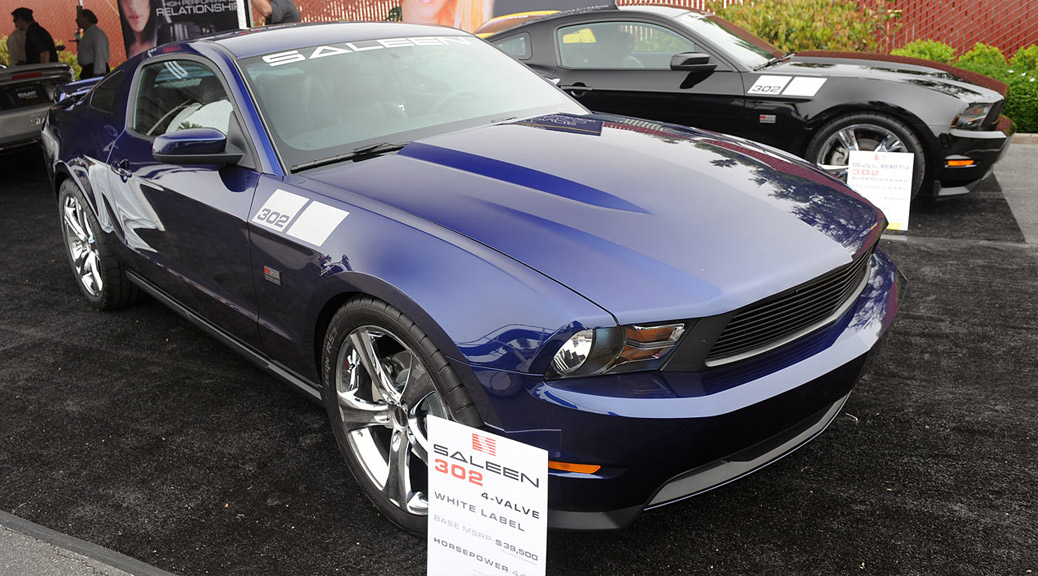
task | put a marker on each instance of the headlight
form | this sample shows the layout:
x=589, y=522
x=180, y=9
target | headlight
x=972, y=117
x=617, y=349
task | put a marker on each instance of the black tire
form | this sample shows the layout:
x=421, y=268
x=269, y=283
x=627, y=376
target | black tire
x=98, y=273
x=367, y=414
x=872, y=131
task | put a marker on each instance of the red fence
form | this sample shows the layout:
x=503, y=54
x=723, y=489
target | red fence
x=1007, y=24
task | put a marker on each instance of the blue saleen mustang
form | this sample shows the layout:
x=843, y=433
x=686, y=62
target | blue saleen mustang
x=403, y=221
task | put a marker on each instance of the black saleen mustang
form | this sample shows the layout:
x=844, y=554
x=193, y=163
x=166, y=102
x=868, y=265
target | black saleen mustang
x=696, y=69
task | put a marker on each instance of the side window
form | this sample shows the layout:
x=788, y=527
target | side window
x=616, y=45
x=177, y=94
x=517, y=46
x=103, y=97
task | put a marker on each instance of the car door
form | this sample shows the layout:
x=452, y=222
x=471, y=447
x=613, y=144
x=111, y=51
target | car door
x=623, y=66
x=187, y=224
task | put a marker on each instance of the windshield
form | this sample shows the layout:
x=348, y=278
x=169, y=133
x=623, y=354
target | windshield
x=738, y=43
x=322, y=102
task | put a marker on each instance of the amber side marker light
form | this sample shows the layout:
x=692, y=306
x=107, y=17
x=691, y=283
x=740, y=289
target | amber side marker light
x=567, y=467
x=959, y=163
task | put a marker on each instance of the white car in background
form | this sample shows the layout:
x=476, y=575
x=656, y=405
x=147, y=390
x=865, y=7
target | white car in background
x=26, y=94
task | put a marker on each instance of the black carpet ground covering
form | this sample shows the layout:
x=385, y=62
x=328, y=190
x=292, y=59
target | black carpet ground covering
x=135, y=431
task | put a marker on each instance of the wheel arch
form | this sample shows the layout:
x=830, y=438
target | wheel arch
x=61, y=172
x=472, y=333
x=363, y=285
x=921, y=130
x=900, y=113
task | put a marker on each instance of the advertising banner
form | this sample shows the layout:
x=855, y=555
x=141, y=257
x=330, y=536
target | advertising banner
x=504, y=7
x=148, y=23
x=469, y=15
x=488, y=503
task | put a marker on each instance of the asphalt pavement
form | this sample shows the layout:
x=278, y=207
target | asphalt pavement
x=129, y=441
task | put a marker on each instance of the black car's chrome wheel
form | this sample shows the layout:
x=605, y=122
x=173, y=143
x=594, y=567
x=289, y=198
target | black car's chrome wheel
x=831, y=147
x=382, y=380
x=97, y=271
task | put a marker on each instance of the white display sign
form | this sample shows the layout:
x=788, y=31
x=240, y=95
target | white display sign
x=885, y=179
x=488, y=503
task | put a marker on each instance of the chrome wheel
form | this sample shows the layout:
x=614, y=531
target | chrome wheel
x=82, y=246
x=835, y=152
x=384, y=394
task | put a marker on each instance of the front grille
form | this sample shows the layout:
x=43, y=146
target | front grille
x=785, y=317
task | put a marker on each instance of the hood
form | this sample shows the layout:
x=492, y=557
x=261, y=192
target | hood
x=936, y=76
x=650, y=222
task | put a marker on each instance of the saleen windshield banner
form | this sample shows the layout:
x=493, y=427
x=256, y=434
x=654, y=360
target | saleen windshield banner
x=488, y=503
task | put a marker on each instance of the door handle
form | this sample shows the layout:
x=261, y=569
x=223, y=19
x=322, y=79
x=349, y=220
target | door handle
x=578, y=87
x=122, y=168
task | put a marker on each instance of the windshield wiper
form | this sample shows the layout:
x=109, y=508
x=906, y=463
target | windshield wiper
x=774, y=61
x=358, y=153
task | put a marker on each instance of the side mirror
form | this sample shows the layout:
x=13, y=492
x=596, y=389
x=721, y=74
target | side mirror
x=195, y=146
x=692, y=62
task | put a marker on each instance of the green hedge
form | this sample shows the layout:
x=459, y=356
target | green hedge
x=1025, y=59
x=987, y=60
x=793, y=25
x=1022, y=101
x=927, y=50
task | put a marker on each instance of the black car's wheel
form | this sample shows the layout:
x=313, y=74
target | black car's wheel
x=98, y=272
x=382, y=378
x=830, y=148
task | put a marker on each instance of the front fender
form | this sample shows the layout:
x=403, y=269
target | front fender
x=478, y=306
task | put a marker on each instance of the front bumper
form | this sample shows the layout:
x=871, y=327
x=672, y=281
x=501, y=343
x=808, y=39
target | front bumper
x=984, y=149
x=656, y=446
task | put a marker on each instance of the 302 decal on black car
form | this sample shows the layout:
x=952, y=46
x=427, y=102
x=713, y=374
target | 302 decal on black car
x=696, y=69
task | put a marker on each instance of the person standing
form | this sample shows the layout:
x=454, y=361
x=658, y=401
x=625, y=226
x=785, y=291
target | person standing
x=39, y=45
x=16, y=48
x=93, y=46
x=277, y=11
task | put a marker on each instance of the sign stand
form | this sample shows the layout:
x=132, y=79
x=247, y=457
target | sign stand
x=488, y=503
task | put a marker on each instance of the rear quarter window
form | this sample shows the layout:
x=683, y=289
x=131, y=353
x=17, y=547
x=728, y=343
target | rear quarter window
x=103, y=96
x=517, y=46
